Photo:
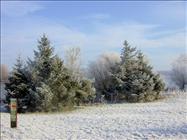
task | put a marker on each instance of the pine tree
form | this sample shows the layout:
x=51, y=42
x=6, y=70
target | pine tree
x=66, y=90
x=60, y=84
x=18, y=85
x=126, y=69
x=41, y=66
x=85, y=92
x=135, y=76
x=39, y=70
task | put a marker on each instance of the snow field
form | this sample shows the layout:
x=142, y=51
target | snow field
x=165, y=119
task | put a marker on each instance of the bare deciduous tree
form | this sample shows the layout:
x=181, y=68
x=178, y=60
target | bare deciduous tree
x=99, y=68
x=99, y=71
x=73, y=62
x=179, y=71
x=4, y=72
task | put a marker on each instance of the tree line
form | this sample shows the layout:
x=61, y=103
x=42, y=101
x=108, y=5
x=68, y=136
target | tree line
x=47, y=83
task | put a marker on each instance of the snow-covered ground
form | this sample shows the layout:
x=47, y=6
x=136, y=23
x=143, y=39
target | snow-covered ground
x=164, y=119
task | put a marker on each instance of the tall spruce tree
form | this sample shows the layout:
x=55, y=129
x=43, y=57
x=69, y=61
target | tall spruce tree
x=40, y=70
x=135, y=76
x=18, y=85
x=54, y=86
x=41, y=66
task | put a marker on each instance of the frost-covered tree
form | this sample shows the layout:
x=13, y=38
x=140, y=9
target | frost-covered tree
x=100, y=72
x=85, y=93
x=130, y=77
x=41, y=67
x=73, y=62
x=66, y=91
x=135, y=77
x=18, y=85
x=39, y=70
x=46, y=83
x=44, y=99
x=179, y=71
x=60, y=84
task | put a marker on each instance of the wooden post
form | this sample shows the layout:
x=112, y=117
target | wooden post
x=13, y=112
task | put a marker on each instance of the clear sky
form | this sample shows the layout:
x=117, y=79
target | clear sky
x=157, y=28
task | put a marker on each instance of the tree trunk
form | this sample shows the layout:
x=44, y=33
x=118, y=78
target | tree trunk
x=111, y=98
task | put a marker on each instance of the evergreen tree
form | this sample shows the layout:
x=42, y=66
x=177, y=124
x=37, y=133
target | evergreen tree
x=60, y=85
x=18, y=85
x=135, y=77
x=41, y=66
x=67, y=91
x=40, y=69
x=85, y=92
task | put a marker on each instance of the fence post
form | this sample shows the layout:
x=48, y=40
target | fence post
x=13, y=112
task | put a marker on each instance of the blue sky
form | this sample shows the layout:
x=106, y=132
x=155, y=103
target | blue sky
x=157, y=28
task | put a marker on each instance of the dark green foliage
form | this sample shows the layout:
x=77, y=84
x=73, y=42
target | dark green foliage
x=60, y=84
x=41, y=66
x=135, y=77
x=66, y=91
x=86, y=92
x=39, y=70
x=18, y=85
x=45, y=84
x=57, y=89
